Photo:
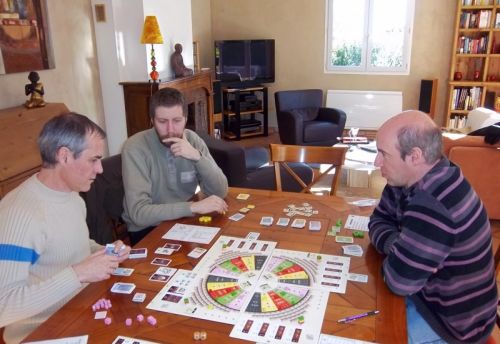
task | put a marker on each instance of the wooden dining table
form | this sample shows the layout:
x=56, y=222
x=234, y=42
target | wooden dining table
x=76, y=318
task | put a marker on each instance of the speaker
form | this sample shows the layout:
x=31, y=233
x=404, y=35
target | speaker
x=217, y=96
x=427, y=100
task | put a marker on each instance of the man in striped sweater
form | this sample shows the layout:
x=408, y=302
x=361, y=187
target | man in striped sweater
x=46, y=256
x=435, y=234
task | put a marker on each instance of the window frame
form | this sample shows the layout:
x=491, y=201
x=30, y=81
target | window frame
x=364, y=67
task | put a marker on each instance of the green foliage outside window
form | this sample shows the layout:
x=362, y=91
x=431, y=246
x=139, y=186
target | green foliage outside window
x=347, y=55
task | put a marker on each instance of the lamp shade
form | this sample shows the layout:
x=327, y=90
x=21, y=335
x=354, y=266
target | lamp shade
x=151, y=31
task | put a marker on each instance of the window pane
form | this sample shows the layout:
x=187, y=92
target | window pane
x=347, y=33
x=388, y=33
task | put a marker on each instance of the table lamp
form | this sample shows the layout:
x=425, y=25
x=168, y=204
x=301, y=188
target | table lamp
x=151, y=35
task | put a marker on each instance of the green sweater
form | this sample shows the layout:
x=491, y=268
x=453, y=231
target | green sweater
x=158, y=185
x=42, y=234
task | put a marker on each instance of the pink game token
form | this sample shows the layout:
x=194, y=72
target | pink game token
x=151, y=320
x=128, y=322
x=108, y=321
x=140, y=317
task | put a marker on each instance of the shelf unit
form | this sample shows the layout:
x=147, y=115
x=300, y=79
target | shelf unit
x=245, y=112
x=474, y=78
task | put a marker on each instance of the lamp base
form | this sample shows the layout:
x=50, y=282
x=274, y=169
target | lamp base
x=154, y=76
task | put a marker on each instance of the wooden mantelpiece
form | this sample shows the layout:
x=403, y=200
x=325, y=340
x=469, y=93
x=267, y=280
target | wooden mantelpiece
x=19, y=130
x=197, y=90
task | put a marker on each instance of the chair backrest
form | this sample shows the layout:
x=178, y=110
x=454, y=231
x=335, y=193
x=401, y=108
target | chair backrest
x=298, y=99
x=281, y=155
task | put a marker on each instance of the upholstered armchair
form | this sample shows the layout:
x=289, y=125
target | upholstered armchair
x=303, y=121
x=249, y=168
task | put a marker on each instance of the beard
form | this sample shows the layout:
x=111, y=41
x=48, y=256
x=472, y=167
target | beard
x=167, y=136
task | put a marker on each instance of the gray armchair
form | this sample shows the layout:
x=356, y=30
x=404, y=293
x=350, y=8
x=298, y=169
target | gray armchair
x=303, y=121
x=248, y=167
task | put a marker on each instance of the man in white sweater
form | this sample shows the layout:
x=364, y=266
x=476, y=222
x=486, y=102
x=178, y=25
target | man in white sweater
x=46, y=256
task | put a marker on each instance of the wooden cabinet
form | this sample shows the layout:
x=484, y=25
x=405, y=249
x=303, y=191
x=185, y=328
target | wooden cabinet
x=198, y=96
x=475, y=64
x=245, y=112
x=19, y=130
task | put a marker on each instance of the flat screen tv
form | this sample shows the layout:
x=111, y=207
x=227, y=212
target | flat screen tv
x=244, y=62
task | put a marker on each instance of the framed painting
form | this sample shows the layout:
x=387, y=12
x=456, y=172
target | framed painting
x=24, y=43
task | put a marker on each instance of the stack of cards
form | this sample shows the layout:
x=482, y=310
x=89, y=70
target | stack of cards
x=236, y=217
x=243, y=196
x=163, y=274
x=110, y=250
x=267, y=221
x=315, y=226
x=136, y=253
x=252, y=235
x=283, y=221
x=197, y=252
x=161, y=261
x=344, y=239
x=353, y=250
x=122, y=272
x=123, y=288
x=298, y=223
x=357, y=277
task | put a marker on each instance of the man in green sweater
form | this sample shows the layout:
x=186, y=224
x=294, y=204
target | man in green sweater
x=162, y=168
x=46, y=256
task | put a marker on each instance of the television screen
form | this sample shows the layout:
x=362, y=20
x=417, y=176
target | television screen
x=244, y=61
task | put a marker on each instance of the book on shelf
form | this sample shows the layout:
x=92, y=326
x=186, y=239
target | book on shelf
x=497, y=20
x=457, y=122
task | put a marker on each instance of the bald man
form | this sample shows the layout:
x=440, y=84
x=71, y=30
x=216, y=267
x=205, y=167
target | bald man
x=435, y=234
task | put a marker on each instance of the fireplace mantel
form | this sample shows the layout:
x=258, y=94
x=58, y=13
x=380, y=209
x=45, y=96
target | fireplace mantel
x=198, y=94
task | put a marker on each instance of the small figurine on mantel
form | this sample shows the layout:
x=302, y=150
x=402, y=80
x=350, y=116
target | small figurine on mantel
x=35, y=89
x=177, y=63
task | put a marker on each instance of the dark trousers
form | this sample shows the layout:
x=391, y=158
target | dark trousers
x=135, y=237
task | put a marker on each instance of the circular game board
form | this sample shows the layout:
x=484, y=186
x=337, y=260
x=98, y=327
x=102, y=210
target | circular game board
x=284, y=284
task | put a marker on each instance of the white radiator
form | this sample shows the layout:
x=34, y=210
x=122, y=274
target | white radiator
x=366, y=109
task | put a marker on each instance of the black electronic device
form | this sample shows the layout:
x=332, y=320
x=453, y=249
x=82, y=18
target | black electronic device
x=244, y=63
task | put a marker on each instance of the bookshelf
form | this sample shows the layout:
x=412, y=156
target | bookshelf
x=474, y=78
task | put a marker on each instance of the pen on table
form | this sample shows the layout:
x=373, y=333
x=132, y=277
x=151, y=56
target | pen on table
x=358, y=316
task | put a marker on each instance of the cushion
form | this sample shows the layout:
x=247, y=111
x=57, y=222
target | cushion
x=482, y=117
x=319, y=131
x=307, y=114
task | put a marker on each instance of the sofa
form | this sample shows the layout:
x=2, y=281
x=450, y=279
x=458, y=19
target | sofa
x=480, y=164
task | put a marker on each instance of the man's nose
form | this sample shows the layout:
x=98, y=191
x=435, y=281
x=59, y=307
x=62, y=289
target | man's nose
x=378, y=160
x=99, y=168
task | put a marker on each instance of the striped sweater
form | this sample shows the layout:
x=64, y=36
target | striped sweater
x=437, y=238
x=42, y=233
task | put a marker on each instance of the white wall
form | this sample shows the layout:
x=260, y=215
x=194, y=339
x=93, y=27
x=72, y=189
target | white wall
x=123, y=58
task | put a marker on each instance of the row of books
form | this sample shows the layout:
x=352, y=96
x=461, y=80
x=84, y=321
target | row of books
x=472, y=45
x=478, y=2
x=466, y=98
x=457, y=122
x=475, y=20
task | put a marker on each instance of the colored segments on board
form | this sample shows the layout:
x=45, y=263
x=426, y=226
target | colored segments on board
x=272, y=301
x=291, y=273
x=243, y=264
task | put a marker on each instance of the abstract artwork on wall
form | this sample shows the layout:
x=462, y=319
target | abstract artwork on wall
x=24, y=43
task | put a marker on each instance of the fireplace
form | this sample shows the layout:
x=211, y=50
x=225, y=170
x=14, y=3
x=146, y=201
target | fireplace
x=197, y=90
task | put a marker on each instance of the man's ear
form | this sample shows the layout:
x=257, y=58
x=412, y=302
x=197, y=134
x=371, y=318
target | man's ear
x=416, y=156
x=63, y=154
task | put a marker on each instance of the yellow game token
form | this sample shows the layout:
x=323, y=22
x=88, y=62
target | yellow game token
x=250, y=206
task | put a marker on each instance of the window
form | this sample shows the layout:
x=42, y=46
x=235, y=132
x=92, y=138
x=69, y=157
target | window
x=369, y=36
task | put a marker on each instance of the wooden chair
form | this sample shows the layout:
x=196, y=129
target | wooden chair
x=281, y=155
